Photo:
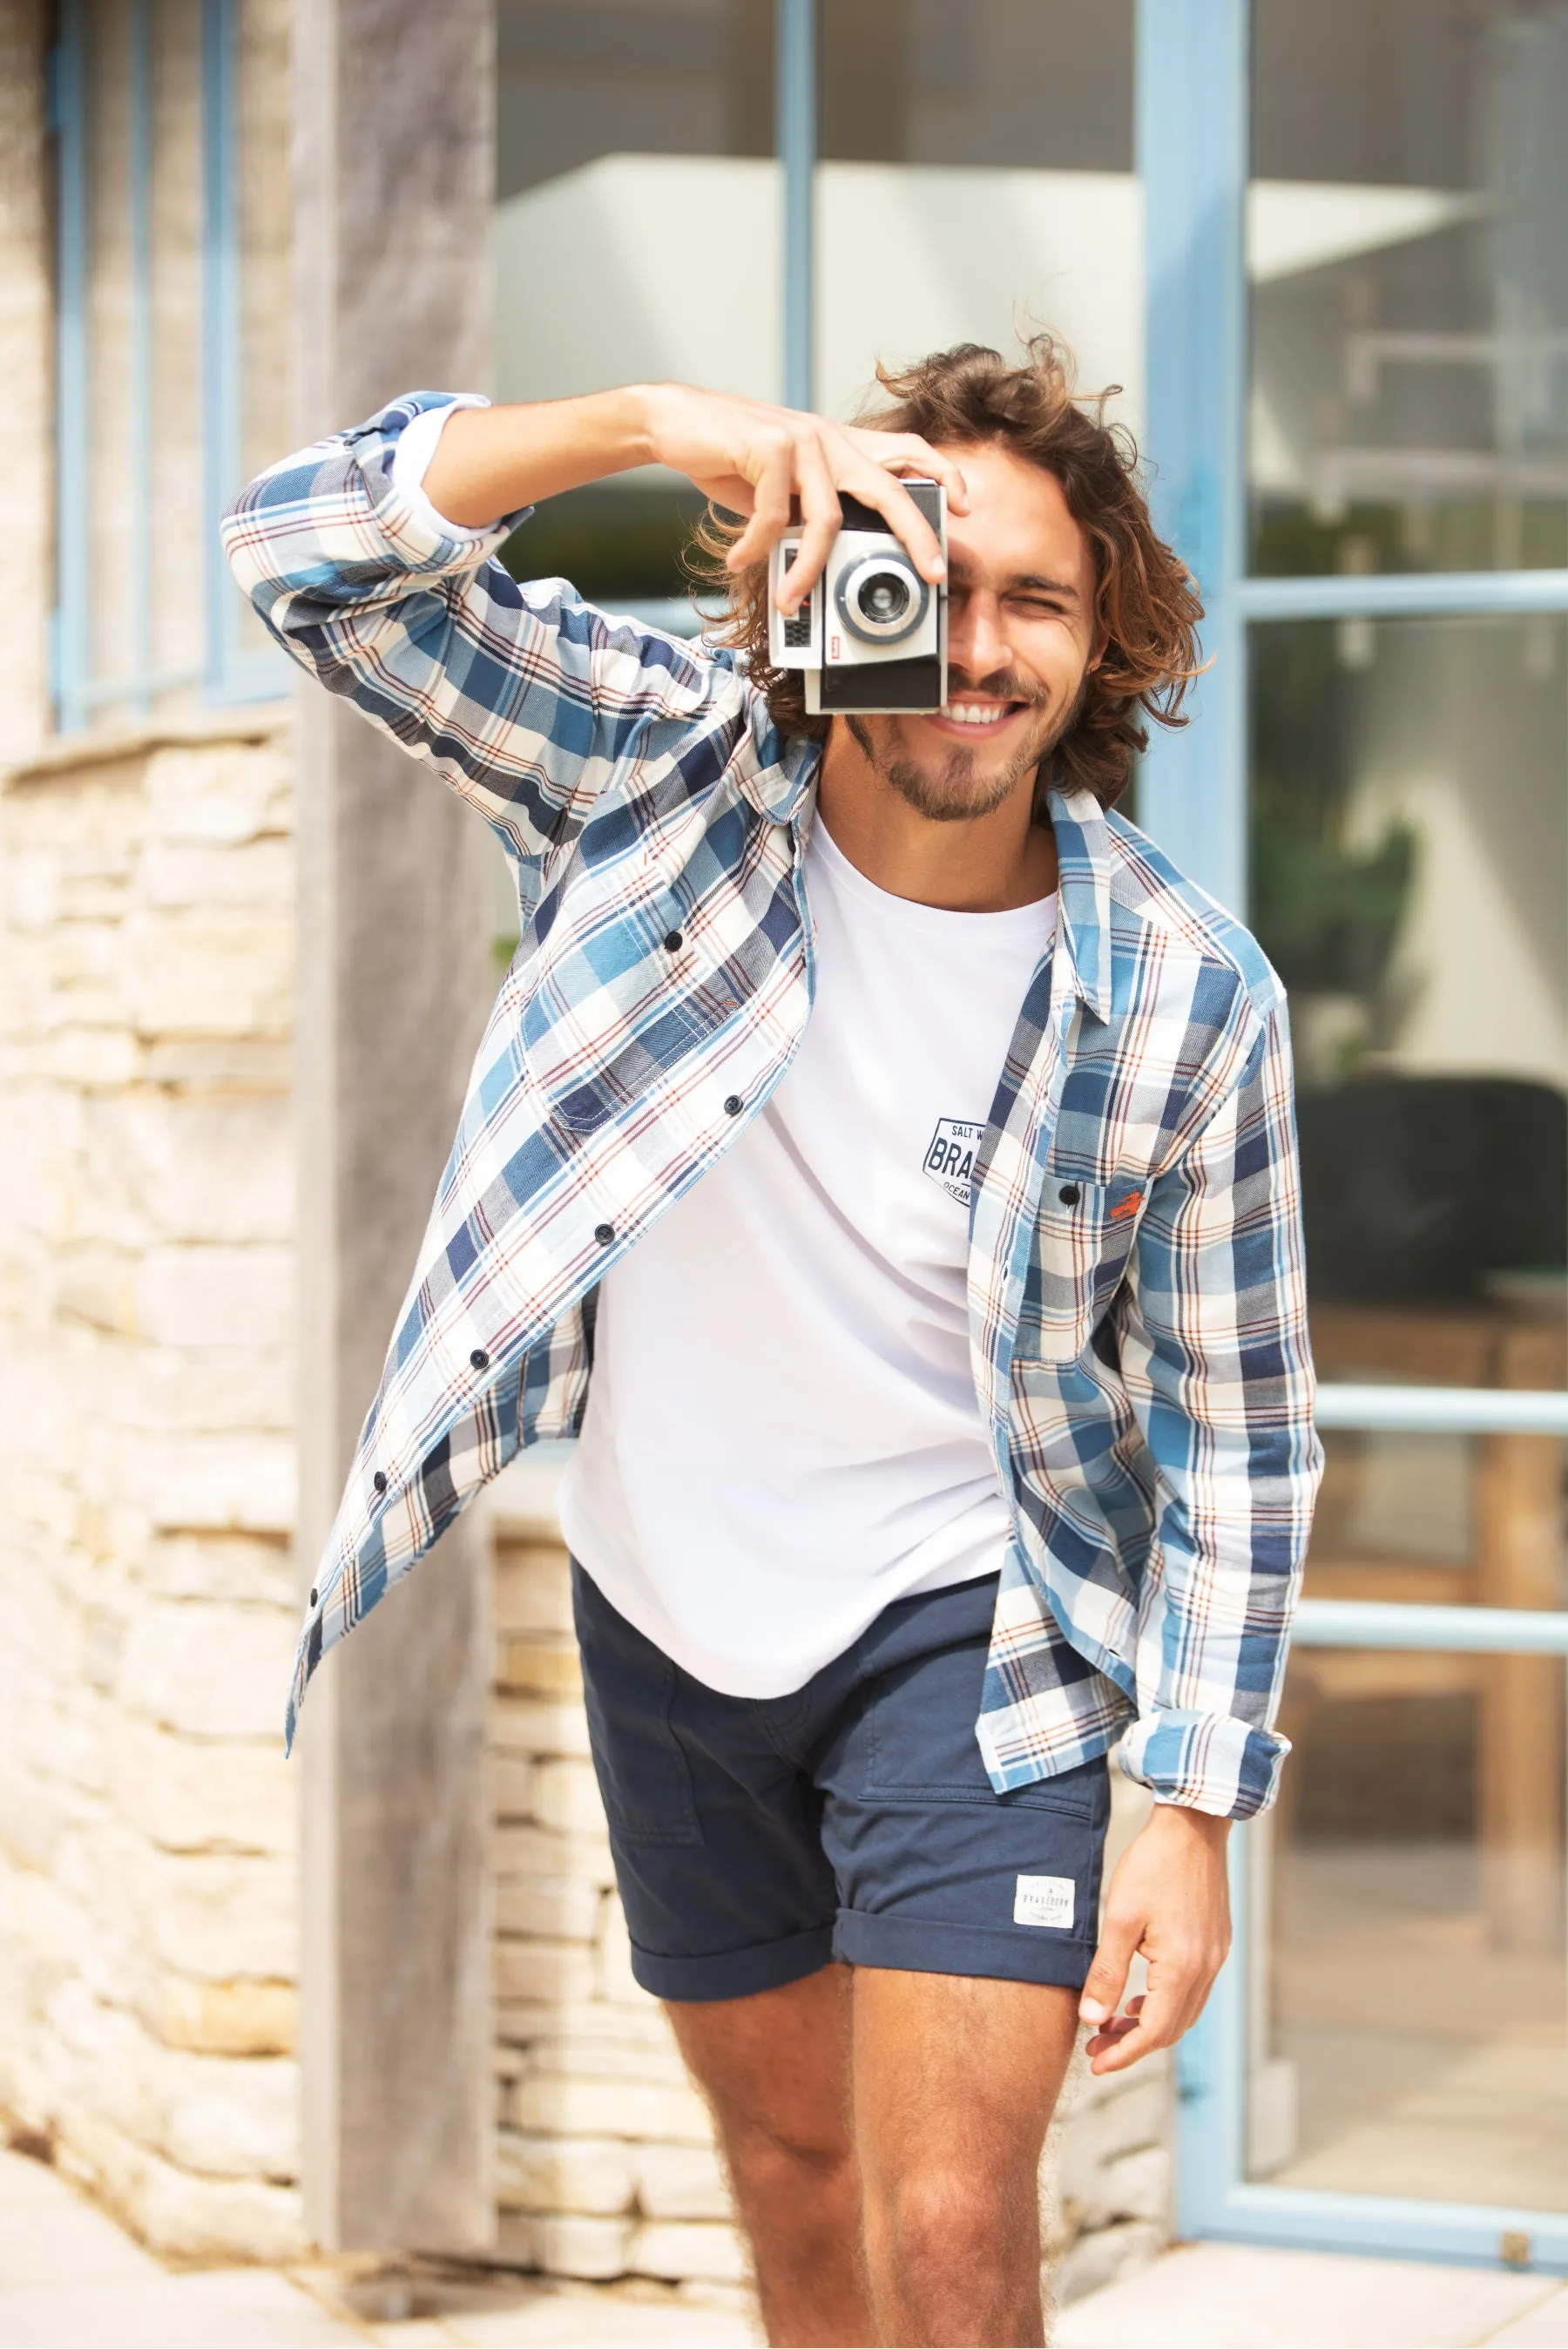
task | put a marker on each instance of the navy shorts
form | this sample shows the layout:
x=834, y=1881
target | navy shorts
x=753, y=1839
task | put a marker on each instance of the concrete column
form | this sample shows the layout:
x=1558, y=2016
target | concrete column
x=394, y=127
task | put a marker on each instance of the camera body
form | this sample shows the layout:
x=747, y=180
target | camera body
x=871, y=636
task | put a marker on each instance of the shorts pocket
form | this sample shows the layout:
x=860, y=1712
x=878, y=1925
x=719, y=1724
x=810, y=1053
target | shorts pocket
x=918, y=1732
x=628, y=1689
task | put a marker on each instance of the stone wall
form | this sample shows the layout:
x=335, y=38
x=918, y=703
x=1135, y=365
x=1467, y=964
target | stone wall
x=607, y=2166
x=148, y=1871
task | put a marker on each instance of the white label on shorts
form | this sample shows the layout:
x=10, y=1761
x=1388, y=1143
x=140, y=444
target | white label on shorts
x=1044, y=1900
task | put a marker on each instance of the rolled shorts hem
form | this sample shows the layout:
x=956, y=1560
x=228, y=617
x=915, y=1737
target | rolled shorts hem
x=735, y=1973
x=917, y=1945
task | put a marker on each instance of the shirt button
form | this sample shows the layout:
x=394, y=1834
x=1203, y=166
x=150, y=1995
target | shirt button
x=479, y=1359
x=604, y=1234
x=733, y=1105
x=379, y=1480
x=1069, y=1194
x=315, y=1598
x=674, y=941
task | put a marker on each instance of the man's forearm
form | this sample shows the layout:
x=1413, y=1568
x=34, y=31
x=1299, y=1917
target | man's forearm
x=491, y=460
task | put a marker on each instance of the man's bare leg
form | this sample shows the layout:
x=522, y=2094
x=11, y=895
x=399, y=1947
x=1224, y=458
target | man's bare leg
x=955, y=2082
x=776, y=2069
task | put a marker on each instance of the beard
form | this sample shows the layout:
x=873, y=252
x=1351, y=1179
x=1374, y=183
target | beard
x=961, y=790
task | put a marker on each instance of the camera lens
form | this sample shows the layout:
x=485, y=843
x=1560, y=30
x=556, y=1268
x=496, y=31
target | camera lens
x=883, y=598
x=880, y=599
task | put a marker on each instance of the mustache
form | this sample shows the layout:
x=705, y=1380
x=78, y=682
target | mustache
x=1002, y=684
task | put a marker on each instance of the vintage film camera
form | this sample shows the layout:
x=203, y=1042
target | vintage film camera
x=872, y=633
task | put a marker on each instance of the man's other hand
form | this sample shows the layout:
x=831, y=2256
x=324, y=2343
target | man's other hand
x=1168, y=1903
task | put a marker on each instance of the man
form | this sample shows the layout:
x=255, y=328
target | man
x=907, y=1149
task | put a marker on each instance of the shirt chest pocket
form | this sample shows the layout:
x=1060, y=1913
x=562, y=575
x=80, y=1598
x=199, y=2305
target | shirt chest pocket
x=1083, y=1238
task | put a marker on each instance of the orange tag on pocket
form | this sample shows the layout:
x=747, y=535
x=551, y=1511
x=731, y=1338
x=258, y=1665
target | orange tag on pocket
x=1125, y=1207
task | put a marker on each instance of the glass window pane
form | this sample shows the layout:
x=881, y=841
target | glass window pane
x=1409, y=277
x=112, y=518
x=636, y=240
x=143, y=311
x=976, y=177
x=1410, y=856
x=1407, y=2016
x=265, y=231
x=177, y=583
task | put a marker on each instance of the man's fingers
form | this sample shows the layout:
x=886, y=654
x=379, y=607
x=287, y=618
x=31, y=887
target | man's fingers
x=1159, y=2022
x=770, y=498
x=1120, y=2024
x=731, y=491
x=1106, y=1977
x=1172, y=2003
x=820, y=514
x=812, y=462
x=903, y=518
x=916, y=456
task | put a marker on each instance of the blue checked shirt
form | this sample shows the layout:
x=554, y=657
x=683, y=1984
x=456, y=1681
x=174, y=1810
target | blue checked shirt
x=1137, y=1302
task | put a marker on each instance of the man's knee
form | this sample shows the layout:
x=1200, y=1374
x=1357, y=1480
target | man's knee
x=774, y=2159
x=950, y=2218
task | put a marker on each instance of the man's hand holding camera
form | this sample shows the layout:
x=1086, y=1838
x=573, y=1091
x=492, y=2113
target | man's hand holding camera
x=771, y=464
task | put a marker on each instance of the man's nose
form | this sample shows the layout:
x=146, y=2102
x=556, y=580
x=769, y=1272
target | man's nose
x=976, y=645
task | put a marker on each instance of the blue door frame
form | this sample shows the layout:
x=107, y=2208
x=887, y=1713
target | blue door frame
x=1192, y=107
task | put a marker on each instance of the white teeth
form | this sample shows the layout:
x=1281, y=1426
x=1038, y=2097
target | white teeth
x=975, y=713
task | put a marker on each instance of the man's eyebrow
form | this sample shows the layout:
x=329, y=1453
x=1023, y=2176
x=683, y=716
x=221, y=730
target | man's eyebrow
x=1034, y=582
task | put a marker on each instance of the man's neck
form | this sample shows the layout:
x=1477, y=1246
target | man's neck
x=980, y=864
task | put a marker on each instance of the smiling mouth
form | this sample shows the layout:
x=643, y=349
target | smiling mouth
x=974, y=716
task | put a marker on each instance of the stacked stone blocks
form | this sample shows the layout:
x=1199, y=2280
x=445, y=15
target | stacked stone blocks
x=607, y=2164
x=148, y=1874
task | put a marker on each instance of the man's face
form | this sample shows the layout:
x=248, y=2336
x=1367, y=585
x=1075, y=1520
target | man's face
x=1020, y=641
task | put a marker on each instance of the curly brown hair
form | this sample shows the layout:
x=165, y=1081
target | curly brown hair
x=1146, y=602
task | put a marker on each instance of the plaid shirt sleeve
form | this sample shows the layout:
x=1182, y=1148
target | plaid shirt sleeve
x=523, y=697
x=1219, y=1374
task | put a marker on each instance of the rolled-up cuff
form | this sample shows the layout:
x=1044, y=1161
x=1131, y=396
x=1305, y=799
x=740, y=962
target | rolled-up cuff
x=1205, y=1762
x=417, y=537
x=415, y=446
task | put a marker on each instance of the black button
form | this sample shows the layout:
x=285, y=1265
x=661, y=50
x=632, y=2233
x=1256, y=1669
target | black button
x=604, y=1234
x=674, y=941
x=479, y=1359
x=316, y=1598
x=733, y=1105
x=379, y=1480
x=1069, y=1194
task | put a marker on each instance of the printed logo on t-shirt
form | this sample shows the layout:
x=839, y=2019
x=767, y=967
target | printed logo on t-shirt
x=950, y=1160
x=1044, y=1900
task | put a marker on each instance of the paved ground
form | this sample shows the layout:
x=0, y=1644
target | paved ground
x=1228, y=2296
x=70, y=2280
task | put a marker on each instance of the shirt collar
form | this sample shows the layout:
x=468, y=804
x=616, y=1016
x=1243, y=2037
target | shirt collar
x=783, y=779
x=1083, y=862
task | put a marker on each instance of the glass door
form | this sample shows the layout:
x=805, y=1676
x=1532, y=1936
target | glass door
x=1358, y=405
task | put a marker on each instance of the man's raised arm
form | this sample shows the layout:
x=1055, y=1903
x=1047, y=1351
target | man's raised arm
x=384, y=584
x=756, y=460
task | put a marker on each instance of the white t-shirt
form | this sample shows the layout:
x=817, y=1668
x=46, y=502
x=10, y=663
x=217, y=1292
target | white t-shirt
x=782, y=1434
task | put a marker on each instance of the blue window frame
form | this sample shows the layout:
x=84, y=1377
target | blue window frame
x=1193, y=95
x=213, y=662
